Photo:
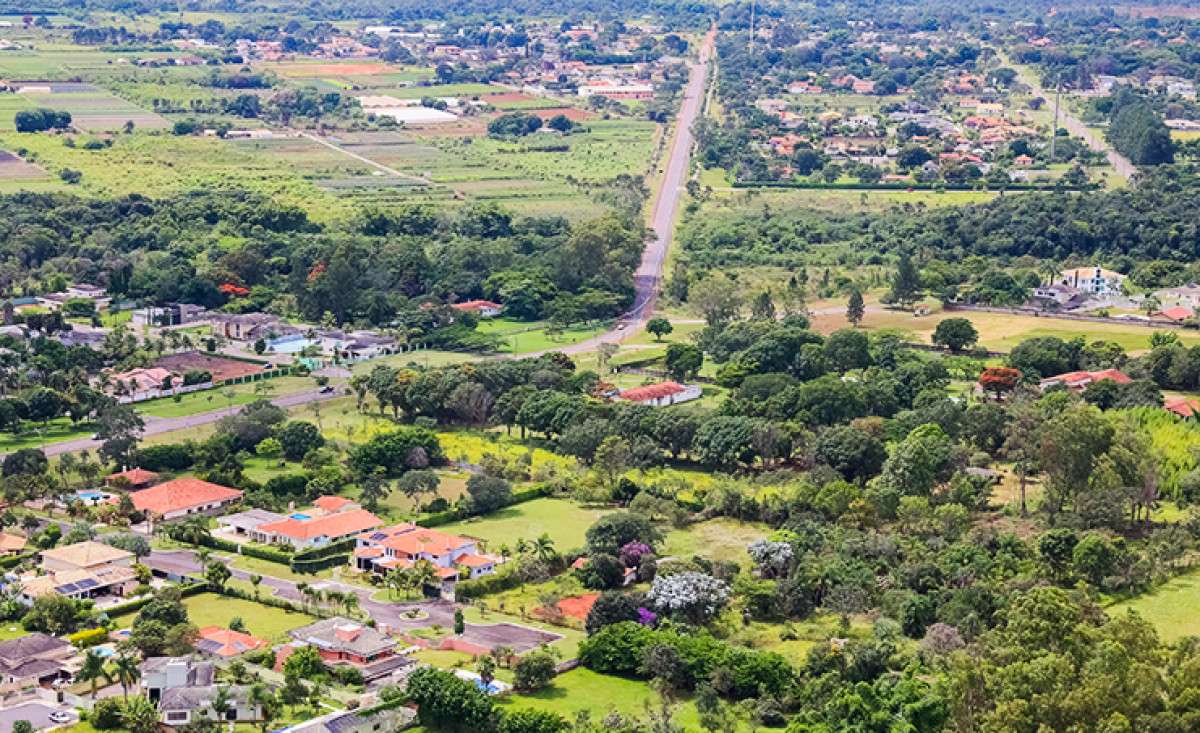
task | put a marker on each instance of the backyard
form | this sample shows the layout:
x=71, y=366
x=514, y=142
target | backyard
x=210, y=609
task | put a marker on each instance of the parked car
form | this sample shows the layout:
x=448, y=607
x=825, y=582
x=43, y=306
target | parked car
x=58, y=717
x=326, y=389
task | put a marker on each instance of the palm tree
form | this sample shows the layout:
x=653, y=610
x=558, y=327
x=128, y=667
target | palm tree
x=522, y=546
x=220, y=702
x=424, y=574
x=256, y=580
x=126, y=668
x=229, y=394
x=350, y=602
x=268, y=704
x=543, y=547
x=194, y=529
x=202, y=556
x=92, y=670
x=302, y=589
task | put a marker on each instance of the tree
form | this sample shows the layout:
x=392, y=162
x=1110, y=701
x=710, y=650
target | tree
x=416, y=484
x=616, y=529
x=853, y=453
x=1070, y=443
x=848, y=349
x=488, y=494
x=955, y=334
x=693, y=595
x=51, y=614
x=304, y=663
x=855, y=310
x=532, y=721
x=297, y=438
x=218, y=574
x=612, y=607
x=374, y=488
x=716, y=299
x=460, y=625
x=906, y=284
x=93, y=670
x=534, y=670
x=22, y=726
x=447, y=703
x=141, y=715
x=393, y=450
x=120, y=427
x=611, y=458
x=659, y=327
x=683, y=361
x=999, y=380
x=127, y=671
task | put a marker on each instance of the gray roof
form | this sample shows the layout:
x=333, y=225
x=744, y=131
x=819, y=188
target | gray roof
x=194, y=697
x=324, y=635
x=15, y=651
x=32, y=668
x=199, y=673
x=251, y=519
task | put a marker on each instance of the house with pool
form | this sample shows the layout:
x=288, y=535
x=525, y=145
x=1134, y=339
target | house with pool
x=331, y=519
x=404, y=545
x=85, y=570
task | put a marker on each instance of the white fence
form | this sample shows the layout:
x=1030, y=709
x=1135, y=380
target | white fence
x=153, y=394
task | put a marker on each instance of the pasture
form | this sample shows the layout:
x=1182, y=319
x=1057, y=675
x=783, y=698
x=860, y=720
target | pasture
x=1171, y=607
x=565, y=522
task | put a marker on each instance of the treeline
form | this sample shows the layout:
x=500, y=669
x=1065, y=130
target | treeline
x=1138, y=132
x=368, y=271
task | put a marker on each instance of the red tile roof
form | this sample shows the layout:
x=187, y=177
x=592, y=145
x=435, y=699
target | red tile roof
x=474, y=305
x=474, y=561
x=368, y=552
x=1116, y=375
x=1185, y=406
x=182, y=493
x=330, y=525
x=135, y=476
x=426, y=540
x=230, y=641
x=651, y=392
x=1074, y=378
x=331, y=503
x=1178, y=314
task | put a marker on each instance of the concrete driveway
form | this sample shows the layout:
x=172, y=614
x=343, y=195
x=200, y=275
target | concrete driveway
x=37, y=713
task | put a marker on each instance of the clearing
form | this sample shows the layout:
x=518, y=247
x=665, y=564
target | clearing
x=1171, y=607
x=717, y=539
x=565, y=521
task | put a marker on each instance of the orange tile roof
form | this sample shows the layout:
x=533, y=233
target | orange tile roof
x=1177, y=314
x=135, y=476
x=1185, y=406
x=330, y=525
x=651, y=391
x=475, y=561
x=230, y=641
x=471, y=305
x=331, y=503
x=368, y=552
x=1077, y=377
x=384, y=533
x=182, y=493
x=425, y=540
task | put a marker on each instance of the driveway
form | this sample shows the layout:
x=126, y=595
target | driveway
x=37, y=713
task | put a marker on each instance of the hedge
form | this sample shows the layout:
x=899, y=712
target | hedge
x=336, y=548
x=486, y=585
x=311, y=567
x=262, y=553
x=188, y=590
x=271, y=601
x=89, y=638
x=7, y=563
x=914, y=185
x=537, y=491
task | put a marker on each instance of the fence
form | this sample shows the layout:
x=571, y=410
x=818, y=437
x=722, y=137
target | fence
x=153, y=394
x=1037, y=313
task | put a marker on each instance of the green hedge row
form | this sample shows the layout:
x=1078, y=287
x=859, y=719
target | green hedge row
x=8, y=563
x=915, y=186
x=537, y=491
x=262, y=553
x=271, y=601
x=312, y=567
x=486, y=585
x=337, y=548
x=187, y=590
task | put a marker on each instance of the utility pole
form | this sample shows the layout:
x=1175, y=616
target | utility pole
x=752, y=5
x=1054, y=132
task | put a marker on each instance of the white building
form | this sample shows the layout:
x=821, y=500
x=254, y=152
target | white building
x=1093, y=280
x=661, y=394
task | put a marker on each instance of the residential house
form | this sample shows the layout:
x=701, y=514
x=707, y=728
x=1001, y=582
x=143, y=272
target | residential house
x=358, y=721
x=226, y=643
x=661, y=394
x=34, y=659
x=345, y=643
x=172, y=314
x=1093, y=280
x=54, y=301
x=1056, y=292
x=357, y=345
x=185, y=690
x=11, y=544
x=245, y=524
x=986, y=108
x=1185, y=407
x=771, y=106
x=404, y=545
x=86, y=556
x=138, y=479
x=1022, y=161
x=1080, y=381
x=162, y=673
x=139, y=381
x=1186, y=294
x=243, y=327
x=303, y=532
x=107, y=581
x=185, y=496
x=485, y=308
x=863, y=86
x=1178, y=314
x=625, y=92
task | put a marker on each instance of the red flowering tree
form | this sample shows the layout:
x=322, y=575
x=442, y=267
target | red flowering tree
x=999, y=380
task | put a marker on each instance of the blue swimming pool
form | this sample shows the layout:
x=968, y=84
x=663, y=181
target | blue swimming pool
x=104, y=652
x=89, y=495
x=300, y=517
x=291, y=345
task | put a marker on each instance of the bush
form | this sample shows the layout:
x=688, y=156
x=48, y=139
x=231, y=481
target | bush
x=106, y=715
x=169, y=457
x=89, y=638
x=394, y=451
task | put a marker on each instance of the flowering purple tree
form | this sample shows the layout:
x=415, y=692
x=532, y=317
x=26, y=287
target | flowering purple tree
x=632, y=553
x=647, y=618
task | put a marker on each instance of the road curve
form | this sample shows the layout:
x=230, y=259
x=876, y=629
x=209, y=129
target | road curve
x=1119, y=162
x=648, y=279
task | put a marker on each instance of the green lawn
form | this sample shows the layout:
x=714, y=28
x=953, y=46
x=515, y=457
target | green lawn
x=57, y=431
x=210, y=609
x=276, y=570
x=581, y=689
x=213, y=399
x=564, y=520
x=717, y=539
x=1171, y=607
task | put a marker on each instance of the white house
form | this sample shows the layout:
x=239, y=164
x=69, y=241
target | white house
x=1186, y=294
x=185, y=690
x=661, y=394
x=1057, y=292
x=1093, y=280
x=485, y=308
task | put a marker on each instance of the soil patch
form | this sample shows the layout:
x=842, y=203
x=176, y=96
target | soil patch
x=571, y=113
x=332, y=70
x=503, y=97
x=12, y=167
x=579, y=606
x=520, y=638
x=220, y=369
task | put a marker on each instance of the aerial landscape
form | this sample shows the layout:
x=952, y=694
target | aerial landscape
x=501, y=366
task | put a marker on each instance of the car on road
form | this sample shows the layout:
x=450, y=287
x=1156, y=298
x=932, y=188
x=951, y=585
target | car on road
x=326, y=389
x=58, y=717
x=268, y=366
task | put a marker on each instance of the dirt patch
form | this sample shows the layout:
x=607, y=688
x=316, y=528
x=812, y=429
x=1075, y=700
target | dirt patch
x=12, y=167
x=520, y=638
x=571, y=113
x=579, y=606
x=221, y=369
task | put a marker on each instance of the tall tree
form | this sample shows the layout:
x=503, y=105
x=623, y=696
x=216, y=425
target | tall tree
x=906, y=284
x=855, y=310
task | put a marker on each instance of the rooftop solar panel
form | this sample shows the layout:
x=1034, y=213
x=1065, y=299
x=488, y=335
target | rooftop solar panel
x=379, y=536
x=67, y=589
x=208, y=645
x=86, y=583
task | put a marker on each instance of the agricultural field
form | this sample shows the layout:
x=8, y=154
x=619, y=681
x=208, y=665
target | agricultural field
x=96, y=110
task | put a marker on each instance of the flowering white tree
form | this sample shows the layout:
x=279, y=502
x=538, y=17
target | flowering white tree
x=695, y=595
x=772, y=558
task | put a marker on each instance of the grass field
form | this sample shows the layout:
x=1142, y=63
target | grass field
x=276, y=570
x=57, y=431
x=210, y=609
x=717, y=539
x=1171, y=607
x=565, y=522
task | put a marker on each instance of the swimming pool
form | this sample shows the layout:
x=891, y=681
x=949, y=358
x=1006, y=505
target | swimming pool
x=104, y=651
x=300, y=517
x=90, y=496
x=293, y=346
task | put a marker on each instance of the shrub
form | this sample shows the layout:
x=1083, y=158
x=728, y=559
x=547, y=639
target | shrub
x=89, y=638
x=106, y=715
x=168, y=457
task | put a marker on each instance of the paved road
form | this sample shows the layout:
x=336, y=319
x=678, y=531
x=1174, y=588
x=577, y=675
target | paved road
x=1119, y=162
x=648, y=279
x=159, y=425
